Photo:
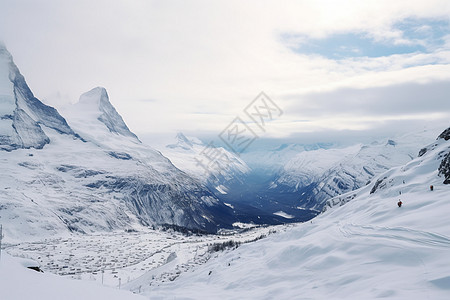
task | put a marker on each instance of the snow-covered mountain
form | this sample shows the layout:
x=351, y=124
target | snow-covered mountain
x=318, y=175
x=95, y=106
x=88, y=174
x=22, y=116
x=216, y=167
x=271, y=161
x=368, y=248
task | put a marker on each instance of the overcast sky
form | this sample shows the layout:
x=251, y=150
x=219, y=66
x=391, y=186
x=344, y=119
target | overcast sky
x=193, y=66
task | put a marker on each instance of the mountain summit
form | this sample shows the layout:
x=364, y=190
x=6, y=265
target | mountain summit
x=23, y=117
x=96, y=101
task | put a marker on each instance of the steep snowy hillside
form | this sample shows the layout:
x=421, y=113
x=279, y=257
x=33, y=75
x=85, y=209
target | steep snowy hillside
x=101, y=178
x=316, y=176
x=191, y=155
x=18, y=282
x=369, y=248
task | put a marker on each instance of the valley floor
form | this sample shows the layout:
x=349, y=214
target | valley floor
x=131, y=260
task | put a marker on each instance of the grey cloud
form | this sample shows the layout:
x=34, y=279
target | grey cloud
x=399, y=99
x=379, y=132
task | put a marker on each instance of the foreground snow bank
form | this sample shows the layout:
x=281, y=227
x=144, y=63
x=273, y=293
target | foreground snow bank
x=18, y=282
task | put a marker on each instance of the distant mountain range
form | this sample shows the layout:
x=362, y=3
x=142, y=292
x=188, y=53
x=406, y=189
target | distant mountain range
x=318, y=175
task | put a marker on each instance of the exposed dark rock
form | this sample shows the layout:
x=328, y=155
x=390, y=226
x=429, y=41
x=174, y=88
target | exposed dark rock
x=378, y=184
x=422, y=151
x=368, y=172
x=391, y=143
x=66, y=168
x=37, y=269
x=444, y=168
x=28, y=165
x=338, y=201
x=120, y=155
x=78, y=172
x=445, y=134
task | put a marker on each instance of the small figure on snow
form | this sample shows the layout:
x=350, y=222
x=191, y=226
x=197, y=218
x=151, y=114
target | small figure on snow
x=399, y=203
x=431, y=188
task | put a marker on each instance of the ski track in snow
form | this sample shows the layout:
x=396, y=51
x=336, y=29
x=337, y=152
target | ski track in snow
x=395, y=235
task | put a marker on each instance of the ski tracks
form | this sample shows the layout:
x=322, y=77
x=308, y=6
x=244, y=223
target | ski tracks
x=395, y=234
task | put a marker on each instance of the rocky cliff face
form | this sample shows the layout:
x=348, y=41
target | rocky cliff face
x=445, y=134
x=444, y=167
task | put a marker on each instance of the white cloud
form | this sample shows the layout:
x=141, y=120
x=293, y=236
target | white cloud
x=203, y=61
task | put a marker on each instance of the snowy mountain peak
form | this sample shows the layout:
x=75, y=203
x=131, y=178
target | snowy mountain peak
x=21, y=114
x=4, y=53
x=97, y=101
x=95, y=95
x=183, y=142
x=183, y=139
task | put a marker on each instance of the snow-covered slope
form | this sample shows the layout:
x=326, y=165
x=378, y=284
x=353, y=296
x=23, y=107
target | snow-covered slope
x=101, y=178
x=318, y=175
x=369, y=248
x=18, y=282
x=192, y=156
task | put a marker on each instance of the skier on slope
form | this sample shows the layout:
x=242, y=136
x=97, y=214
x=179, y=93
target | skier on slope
x=399, y=203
